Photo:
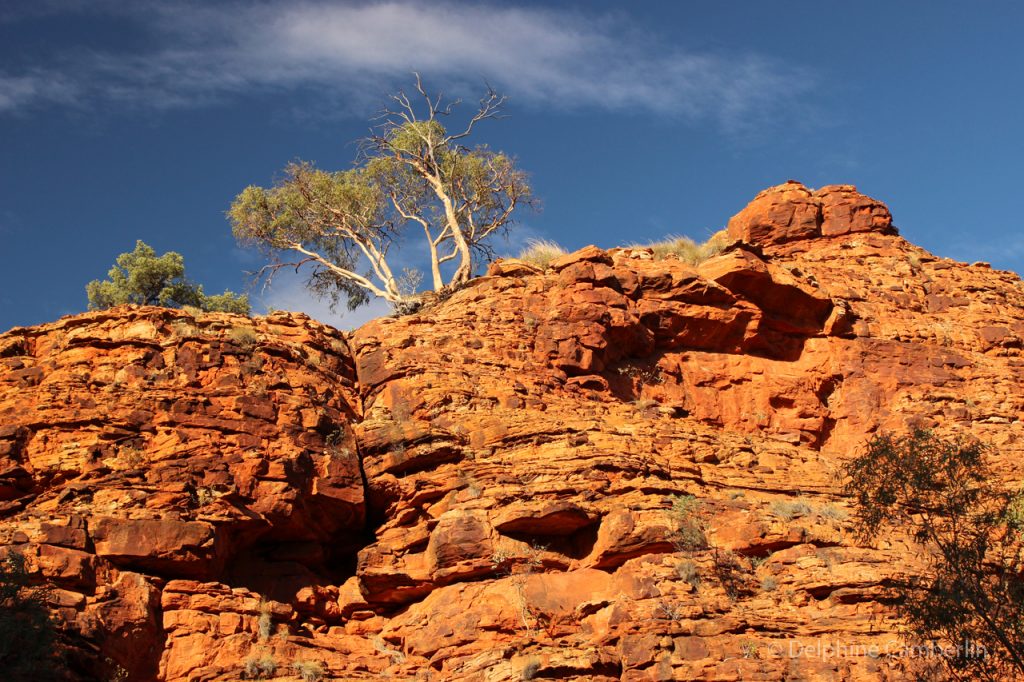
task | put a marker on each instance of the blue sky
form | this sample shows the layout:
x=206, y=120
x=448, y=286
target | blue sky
x=123, y=121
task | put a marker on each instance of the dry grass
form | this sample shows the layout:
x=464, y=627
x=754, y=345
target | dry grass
x=244, y=337
x=688, y=573
x=257, y=667
x=265, y=623
x=309, y=671
x=685, y=249
x=540, y=252
x=184, y=330
x=789, y=510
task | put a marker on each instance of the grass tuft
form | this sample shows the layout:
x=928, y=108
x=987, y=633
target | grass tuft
x=309, y=671
x=789, y=510
x=540, y=252
x=259, y=667
x=685, y=249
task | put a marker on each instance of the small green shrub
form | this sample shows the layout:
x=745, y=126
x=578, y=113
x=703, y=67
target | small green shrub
x=730, y=573
x=540, y=252
x=1013, y=516
x=131, y=455
x=204, y=495
x=141, y=277
x=501, y=556
x=689, y=534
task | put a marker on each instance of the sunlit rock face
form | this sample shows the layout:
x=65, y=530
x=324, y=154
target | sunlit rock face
x=792, y=212
x=484, y=490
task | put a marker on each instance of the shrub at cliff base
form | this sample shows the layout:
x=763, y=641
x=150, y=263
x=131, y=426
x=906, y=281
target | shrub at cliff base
x=968, y=602
x=27, y=635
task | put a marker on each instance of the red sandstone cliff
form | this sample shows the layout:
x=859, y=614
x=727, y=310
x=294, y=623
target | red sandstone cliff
x=483, y=491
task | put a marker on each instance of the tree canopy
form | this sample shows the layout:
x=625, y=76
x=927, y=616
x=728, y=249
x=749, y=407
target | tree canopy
x=143, y=278
x=412, y=172
x=28, y=636
x=967, y=603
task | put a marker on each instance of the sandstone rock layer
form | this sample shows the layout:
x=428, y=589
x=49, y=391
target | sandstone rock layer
x=484, y=490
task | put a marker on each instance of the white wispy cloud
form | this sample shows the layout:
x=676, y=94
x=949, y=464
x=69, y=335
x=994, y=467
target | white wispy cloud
x=34, y=88
x=544, y=57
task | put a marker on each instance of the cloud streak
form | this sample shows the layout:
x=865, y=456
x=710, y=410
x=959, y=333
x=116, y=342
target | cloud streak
x=33, y=88
x=544, y=57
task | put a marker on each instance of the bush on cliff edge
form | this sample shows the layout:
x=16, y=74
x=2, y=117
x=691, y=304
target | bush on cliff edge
x=143, y=278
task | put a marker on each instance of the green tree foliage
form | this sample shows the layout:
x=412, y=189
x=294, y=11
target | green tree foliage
x=970, y=597
x=27, y=634
x=143, y=278
x=413, y=173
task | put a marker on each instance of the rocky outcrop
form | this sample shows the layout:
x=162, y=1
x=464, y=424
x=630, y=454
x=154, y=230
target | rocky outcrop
x=790, y=212
x=144, y=446
x=485, y=490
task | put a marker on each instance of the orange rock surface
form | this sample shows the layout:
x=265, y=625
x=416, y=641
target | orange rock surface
x=484, y=490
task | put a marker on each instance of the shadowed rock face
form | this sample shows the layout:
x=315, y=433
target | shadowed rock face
x=484, y=490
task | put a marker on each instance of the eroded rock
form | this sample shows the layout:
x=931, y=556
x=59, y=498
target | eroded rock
x=487, y=489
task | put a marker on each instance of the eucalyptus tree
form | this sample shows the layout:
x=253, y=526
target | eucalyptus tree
x=413, y=173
